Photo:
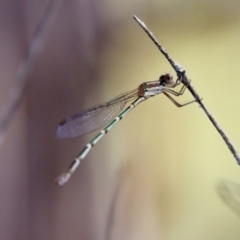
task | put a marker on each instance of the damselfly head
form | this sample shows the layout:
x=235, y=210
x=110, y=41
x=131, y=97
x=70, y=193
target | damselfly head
x=62, y=122
x=166, y=79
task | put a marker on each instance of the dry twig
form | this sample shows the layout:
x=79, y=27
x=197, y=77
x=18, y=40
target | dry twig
x=181, y=73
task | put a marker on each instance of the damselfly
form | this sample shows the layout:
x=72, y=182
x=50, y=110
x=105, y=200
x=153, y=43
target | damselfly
x=98, y=116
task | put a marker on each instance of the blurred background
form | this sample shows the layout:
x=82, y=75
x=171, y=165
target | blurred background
x=154, y=176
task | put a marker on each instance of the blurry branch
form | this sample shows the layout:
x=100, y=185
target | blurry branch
x=181, y=73
x=16, y=92
x=111, y=221
x=230, y=194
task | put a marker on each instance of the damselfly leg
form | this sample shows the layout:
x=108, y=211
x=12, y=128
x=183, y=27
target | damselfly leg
x=177, y=93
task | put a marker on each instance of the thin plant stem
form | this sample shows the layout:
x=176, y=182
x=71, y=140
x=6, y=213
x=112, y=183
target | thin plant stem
x=15, y=95
x=181, y=73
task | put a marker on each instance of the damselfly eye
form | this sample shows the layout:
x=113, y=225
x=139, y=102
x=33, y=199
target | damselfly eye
x=166, y=78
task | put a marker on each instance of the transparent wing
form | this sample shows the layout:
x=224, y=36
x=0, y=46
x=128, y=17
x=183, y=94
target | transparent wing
x=93, y=118
x=230, y=194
